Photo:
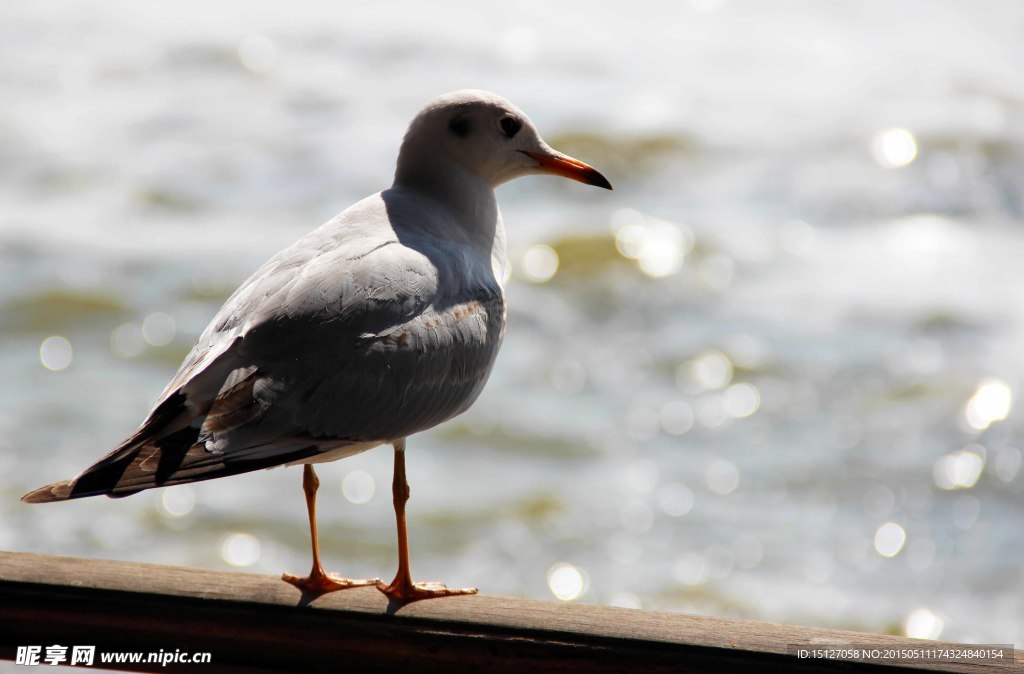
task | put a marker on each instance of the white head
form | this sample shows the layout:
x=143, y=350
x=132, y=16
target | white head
x=486, y=137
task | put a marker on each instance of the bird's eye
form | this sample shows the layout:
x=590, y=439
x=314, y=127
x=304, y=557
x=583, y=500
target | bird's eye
x=510, y=126
x=459, y=126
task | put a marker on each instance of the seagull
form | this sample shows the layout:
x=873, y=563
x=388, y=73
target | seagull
x=383, y=322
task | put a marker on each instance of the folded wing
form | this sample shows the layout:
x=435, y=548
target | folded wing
x=317, y=351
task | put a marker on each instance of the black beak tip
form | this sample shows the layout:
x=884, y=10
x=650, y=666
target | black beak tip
x=598, y=180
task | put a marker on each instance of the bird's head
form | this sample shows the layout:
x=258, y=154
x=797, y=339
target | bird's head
x=486, y=136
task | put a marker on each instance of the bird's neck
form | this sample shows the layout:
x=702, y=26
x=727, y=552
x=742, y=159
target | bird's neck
x=468, y=197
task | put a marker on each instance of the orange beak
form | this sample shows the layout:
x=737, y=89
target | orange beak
x=563, y=165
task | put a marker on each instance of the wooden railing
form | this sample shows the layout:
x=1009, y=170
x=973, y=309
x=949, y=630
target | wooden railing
x=258, y=623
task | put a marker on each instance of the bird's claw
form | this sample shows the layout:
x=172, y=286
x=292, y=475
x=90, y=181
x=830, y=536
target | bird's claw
x=405, y=592
x=322, y=583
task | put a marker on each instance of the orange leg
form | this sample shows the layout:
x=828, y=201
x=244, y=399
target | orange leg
x=402, y=589
x=318, y=582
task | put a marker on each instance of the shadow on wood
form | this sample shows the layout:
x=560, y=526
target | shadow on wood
x=255, y=623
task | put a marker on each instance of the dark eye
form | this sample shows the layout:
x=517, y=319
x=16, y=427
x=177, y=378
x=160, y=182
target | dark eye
x=459, y=126
x=510, y=126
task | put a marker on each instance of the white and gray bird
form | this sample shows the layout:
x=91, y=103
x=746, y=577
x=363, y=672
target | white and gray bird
x=383, y=322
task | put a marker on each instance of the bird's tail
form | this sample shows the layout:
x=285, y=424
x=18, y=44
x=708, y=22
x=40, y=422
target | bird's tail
x=165, y=451
x=58, y=491
x=149, y=466
x=102, y=477
x=99, y=479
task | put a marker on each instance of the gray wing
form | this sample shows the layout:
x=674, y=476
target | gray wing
x=321, y=348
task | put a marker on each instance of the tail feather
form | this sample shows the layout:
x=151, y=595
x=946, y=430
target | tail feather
x=150, y=466
x=58, y=491
x=166, y=450
x=167, y=426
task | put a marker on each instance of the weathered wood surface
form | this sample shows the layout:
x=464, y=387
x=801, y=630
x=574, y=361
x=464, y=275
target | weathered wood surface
x=259, y=623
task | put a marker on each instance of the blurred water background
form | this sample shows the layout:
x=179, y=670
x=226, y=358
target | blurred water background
x=772, y=375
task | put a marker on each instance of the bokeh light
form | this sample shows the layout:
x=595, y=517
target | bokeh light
x=257, y=53
x=710, y=370
x=991, y=402
x=711, y=411
x=889, y=539
x=56, y=353
x=641, y=476
x=540, y=263
x=922, y=623
x=176, y=502
x=126, y=340
x=722, y=477
x=240, y=549
x=658, y=246
x=159, y=329
x=742, y=400
x=358, y=486
x=894, y=148
x=959, y=470
x=676, y=499
x=566, y=581
x=676, y=417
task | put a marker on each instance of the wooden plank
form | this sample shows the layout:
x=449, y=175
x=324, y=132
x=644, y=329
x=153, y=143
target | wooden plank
x=259, y=623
